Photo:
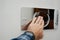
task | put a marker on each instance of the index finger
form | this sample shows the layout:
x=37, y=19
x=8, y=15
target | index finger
x=34, y=19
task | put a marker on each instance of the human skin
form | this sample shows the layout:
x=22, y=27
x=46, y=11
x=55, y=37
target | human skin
x=35, y=26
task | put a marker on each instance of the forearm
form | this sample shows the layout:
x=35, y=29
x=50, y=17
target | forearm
x=25, y=36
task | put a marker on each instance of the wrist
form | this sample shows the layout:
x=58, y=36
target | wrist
x=30, y=34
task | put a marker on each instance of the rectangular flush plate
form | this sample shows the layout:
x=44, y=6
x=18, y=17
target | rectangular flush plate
x=49, y=15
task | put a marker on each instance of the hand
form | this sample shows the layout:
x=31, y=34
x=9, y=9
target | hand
x=36, y=27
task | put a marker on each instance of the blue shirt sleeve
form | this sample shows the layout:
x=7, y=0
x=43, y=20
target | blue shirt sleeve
x=25, y=36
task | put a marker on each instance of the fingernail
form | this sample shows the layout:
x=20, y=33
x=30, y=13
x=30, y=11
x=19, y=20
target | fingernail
x=41, y=17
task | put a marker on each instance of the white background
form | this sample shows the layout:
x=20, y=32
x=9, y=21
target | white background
x=10, y=17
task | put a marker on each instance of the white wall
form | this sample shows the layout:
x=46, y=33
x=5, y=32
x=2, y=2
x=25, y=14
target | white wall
x=10, y=16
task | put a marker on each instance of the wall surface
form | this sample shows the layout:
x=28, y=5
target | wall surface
x=10, y=17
